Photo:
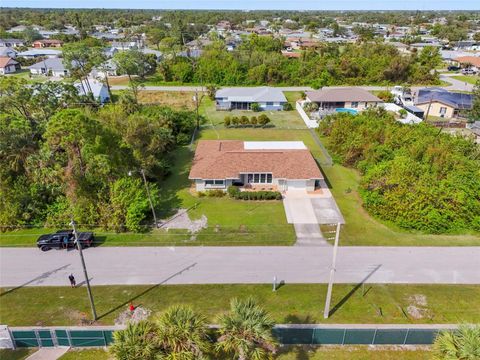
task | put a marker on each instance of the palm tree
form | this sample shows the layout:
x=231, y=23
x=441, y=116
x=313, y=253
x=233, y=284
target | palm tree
x=136, y=342
x=461, y=344
x=246, y=331
x=182, y=334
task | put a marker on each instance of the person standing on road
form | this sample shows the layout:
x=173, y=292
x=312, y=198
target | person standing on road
x=73, y=283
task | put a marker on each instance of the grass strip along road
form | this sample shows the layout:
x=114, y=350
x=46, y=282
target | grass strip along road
x=295, y=304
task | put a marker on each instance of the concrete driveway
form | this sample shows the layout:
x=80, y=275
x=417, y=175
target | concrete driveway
x=306, y=211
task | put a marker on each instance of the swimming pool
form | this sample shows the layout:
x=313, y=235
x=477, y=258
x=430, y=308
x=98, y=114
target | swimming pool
x=347, y=110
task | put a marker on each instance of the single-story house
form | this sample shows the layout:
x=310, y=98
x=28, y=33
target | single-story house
x=47, y=43
x=6, y=51
x=97, y=88
x=11, y=43
x=443, y=103
x=49, y=67
x=242, y=98
x=34, y=53
x=469, y=61
x=343, y=98
x=8, y=65
x=108, y=68
x=257, y=165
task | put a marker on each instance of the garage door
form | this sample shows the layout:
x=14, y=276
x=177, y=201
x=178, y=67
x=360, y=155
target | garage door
x=296, y=185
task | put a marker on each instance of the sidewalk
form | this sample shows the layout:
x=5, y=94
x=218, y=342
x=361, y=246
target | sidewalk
x=48, y=353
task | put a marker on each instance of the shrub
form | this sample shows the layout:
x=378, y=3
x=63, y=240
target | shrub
x=201, y=194
x=263, y=120
x=235, y=121
x=310, y=106
x=227, y=121
x=244, y=120
x=255, y=107
x=256, y=195
x=233, y=191
x=403, y=113
x=385, y=95
x=287, y=107
x=215, y=193
x=253, y=121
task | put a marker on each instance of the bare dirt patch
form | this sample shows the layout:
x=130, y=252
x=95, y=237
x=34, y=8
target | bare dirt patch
x=136, y=316
x=182, y=221
x=175, y=99
x=417, y=308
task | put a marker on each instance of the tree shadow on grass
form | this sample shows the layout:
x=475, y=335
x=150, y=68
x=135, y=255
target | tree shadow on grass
x=299, y=352
x=139, y=295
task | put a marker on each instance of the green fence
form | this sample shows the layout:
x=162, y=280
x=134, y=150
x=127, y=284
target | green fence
x=286, y=334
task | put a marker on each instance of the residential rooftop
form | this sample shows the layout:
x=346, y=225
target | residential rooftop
x=226, y=159
x=341, y=95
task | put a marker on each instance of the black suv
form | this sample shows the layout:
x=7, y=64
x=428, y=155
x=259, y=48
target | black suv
x=63, y=239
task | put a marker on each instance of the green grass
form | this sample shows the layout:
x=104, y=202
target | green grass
x=86, y=354
x=352, y=353
x=292, y=303
x=467, y=79
x=279, y=119
x=299, y=353
x=18, y=354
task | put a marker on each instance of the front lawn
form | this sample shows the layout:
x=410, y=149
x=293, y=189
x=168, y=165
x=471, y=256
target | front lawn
x=468, y=79
x=292, y=303
x=86, y=354
x=279, y=119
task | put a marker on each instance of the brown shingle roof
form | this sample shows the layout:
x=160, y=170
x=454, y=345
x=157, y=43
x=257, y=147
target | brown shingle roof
x=5, y=60
x=474, y=60
x=341, y=94
x=226, y=159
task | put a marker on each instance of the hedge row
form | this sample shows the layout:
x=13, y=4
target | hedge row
x=235, y=193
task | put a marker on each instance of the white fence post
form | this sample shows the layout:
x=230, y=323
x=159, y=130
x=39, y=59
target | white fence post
x=6, y=340
x=311, y=124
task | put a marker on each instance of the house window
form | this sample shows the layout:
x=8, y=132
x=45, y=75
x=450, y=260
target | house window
x=215, y=183
x=269, y=103
x=261, y=178
x=443, y=111
x=354, y=104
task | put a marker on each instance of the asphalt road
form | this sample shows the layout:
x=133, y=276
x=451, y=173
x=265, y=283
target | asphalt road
x=456, y=85
x=221, y=265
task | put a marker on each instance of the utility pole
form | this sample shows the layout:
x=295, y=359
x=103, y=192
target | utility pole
x=79, y=247
x=149, y=197
x=326, y=311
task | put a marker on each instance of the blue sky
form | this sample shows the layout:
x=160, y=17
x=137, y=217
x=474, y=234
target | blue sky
x=255, y=4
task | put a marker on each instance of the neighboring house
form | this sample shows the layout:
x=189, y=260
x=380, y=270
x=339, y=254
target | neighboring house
x=37, y=44
x=34, y=53
x=242, y=98
x=8, y=65
x=6, y=51
x=49, y=67
x=268, y=165
x=443, y=103
x=343, y=98
x=97, y=88
x=109, y=68
x=467, y=61
x=126, y=45
x=11, y=43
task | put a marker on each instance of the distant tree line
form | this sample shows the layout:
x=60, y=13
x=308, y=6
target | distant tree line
x=413, y=176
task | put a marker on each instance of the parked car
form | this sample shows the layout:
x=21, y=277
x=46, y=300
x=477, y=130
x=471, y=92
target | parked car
x=63, y=239
x=453, y=68
x=468, y=71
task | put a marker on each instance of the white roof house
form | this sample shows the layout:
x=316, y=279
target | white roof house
x=49, y=67
x=242, y=97
x=33, y=53
x=98, y=89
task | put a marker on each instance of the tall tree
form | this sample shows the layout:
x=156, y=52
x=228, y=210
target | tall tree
x=136, y=342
